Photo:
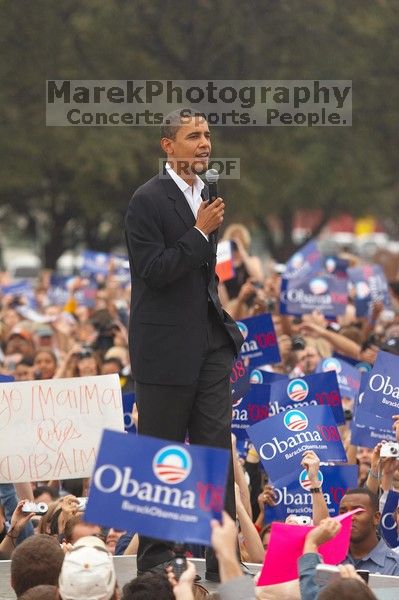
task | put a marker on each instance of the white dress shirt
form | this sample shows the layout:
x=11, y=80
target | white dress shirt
x=192, y=193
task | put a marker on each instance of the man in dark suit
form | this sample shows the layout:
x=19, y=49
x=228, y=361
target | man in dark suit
x=182, y=343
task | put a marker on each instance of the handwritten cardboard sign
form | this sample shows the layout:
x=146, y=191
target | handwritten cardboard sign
x=50, y=429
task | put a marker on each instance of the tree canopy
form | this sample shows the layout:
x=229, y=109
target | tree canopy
x=74, y=183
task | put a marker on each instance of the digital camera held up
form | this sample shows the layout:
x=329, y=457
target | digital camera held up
x=39, y=508
x=390, y=450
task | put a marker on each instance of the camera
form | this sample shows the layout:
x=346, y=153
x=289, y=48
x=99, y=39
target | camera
x=390, y=450
x=31, y=507
x=179, y=563
x=302, y=520
x=298, y=343
x=82, y=503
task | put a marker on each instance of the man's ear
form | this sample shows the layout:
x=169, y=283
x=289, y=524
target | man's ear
x=167, y=146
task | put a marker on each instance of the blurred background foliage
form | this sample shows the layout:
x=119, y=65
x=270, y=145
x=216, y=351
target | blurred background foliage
x=71, y=185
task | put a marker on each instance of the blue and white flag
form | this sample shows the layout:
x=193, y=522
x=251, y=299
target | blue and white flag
x=293, y=496
x=370, y=286
x=324, y=293
x=319, y=388
x=157, y=488
x=249, y=410
x=260, y=341
x=281, y=440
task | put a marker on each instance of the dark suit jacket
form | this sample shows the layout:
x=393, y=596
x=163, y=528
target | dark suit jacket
x=171, y=284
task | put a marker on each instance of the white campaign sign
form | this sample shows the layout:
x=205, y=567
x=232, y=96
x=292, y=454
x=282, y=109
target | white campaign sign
x=51, y=429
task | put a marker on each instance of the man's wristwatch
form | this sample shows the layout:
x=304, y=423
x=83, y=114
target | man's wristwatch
x=315, y=490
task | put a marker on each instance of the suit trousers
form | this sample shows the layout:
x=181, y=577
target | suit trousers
x=201, y=410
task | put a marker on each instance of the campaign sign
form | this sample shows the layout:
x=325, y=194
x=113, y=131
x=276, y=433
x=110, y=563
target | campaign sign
x=250, y=409
x=293, y=496
x=348, y=376
x=260, y=341
x=336, y=266
x=319, y=388
x=370, y=286
x=157, y=488
x=239, y=379
x=281, y=440
x=95, y=263
x=368, y=429
x=304, y=262
x=262, y=376
x=325, y=293
x=20, y=288
x=381, y=393
x=128, y=401
x=6, y=378
x=388, y=526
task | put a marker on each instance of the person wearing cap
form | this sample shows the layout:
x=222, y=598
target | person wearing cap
x=88, y=572
x=21, y=342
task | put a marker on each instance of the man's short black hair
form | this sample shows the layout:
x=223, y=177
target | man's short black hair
x=175, y=119
x=46, y=489
x=147, y=587
x=366, y=492
x=36, y=561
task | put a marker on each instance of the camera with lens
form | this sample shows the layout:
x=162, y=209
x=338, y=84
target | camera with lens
x=298, y=343
x=82, y=503
x=390, y=450
x=39, y=508
x=302, y=520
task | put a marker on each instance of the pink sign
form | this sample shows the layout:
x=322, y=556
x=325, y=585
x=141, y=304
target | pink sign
x=286, y=547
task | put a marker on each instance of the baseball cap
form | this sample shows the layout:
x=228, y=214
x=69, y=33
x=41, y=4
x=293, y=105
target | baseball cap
x=391, y=345
x=23, y=333
x=88, y=571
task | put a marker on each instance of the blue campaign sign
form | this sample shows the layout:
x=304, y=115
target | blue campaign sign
x=250, y=409
x=6, y=378
x=370, y=286
x=347, y=375
x=319, y=388
x=367, y=429
x=260, y=341
x=157, y=488
x=304, y=262
x=381, y=392
x=281, y=440
x=20, y=288
x=293, y=496
x=128, y=401
x=389, y=528
x=325, y=293
x=263, y=376
x=95, y=263
x=239, y=379
x=336, y=266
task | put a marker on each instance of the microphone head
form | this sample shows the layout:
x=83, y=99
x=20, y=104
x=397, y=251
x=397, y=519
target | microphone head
x=212, y=176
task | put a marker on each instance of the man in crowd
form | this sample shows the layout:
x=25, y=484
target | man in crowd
x=366, y=551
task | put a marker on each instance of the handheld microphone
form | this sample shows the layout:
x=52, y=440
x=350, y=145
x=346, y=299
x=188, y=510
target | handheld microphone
x=212, y=177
